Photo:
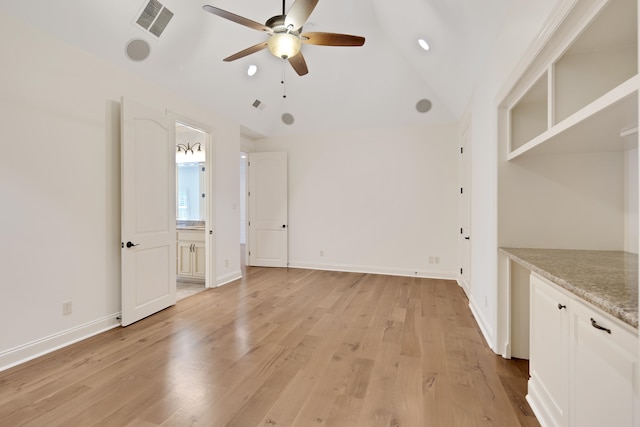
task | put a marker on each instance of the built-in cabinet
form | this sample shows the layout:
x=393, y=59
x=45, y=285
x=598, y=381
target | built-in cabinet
x=583, y=362
x=568, y=179
x=191, y=255
x=549, y=352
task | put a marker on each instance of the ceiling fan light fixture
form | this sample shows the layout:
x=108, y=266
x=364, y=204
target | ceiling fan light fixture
x=284, y=45
x=423, y=44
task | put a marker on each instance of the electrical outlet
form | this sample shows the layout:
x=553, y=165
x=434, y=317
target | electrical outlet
x=321, y=253
x=67, y=308
x=431, y=260
x=437, y=260
x=226, y=263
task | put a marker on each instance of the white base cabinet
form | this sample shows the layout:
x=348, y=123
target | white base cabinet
x=583, y=362
x=191, y=255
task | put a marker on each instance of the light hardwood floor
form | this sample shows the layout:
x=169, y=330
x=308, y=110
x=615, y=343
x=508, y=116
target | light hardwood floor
x=282, y=347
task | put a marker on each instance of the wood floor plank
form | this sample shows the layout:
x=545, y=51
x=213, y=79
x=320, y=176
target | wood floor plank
x=282, y=347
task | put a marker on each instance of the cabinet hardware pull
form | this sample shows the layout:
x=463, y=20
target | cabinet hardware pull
x=602, y=328
x=561, y=306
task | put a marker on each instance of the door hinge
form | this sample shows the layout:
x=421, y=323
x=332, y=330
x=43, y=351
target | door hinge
x=249, y=193
x=460, y=271
x=460, y=230
x=249, y=253
x=461, y=190
x=461, y=150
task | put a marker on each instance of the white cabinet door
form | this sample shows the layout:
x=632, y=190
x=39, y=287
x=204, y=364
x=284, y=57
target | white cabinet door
x=548, y=385
x=268, y=204
x=198, y=260
x=603, y=366
x=184, y=258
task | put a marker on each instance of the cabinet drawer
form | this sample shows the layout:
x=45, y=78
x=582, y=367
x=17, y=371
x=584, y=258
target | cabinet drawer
x=601, y=325
x=191, y=235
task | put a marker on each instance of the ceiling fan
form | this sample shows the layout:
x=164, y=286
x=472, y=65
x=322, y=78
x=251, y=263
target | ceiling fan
x=285, y=34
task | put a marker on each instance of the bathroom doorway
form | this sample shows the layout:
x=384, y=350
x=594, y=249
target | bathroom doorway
x=192, y=210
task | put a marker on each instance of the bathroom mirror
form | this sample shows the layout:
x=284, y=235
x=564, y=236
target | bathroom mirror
x=190, y=192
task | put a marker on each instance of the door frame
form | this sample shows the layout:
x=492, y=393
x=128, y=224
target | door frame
x=209, y=211
x=464, y=209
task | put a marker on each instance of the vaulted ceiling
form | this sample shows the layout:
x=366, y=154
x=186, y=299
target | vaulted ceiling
x=377, y=85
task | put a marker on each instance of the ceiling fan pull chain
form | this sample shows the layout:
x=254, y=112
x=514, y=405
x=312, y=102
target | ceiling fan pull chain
x=284, y=86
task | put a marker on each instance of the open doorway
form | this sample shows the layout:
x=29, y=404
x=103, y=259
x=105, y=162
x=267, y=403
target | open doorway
x=192, y=192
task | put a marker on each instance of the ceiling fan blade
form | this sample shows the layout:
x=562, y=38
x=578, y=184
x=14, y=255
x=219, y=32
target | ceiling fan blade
x=299, y=13
x=236, y=18
x=299, y=64
x=332, y=39
x=248, y=51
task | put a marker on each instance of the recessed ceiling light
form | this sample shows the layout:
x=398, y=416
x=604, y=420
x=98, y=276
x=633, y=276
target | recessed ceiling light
x=252, y=70
x=423, y=44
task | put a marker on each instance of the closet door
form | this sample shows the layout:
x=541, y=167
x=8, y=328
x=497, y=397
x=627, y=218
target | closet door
x=268, y=204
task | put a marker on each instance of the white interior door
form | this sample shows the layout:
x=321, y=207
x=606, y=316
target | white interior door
x=268, y=203
x=465, y=206
x=148, y=212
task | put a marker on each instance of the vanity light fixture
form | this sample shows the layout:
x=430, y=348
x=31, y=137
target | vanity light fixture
x=188, y=147
x=423, y=44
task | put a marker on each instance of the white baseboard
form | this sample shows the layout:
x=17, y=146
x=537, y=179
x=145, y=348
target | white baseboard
x=37, y=348
x=482, y=322
x=374, y=270
x=228, y=278
x=464, y=285
x=538, y=406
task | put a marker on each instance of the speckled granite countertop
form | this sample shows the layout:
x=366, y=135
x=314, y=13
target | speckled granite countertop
x=606, y=279
x=182, y=224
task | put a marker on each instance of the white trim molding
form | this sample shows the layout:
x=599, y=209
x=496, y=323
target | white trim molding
x=40, y=347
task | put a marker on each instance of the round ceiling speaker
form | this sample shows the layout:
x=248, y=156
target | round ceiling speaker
x=138, y=50
x=287, y=119
x=423, y=106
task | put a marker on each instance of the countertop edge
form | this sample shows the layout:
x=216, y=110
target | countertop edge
x=623, y=315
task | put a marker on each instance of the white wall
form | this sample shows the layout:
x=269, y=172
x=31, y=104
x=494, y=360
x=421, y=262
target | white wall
x=524, y=22
x=378, y=200
x=60, y=189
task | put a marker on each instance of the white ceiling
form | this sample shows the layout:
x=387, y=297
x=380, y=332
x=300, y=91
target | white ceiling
x=377, y=85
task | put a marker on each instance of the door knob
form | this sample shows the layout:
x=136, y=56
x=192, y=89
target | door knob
x=130, y=245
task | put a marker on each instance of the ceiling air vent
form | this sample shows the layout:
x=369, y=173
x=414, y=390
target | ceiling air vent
x=154, y=18
x=258, y=105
